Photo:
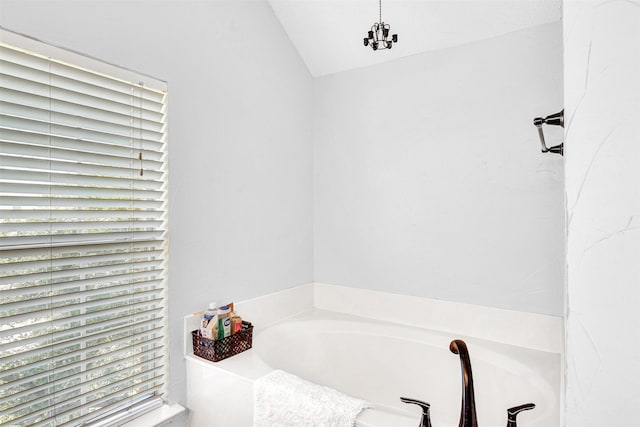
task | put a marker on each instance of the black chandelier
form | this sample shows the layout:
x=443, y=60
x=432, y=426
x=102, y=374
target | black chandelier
x=379, y=33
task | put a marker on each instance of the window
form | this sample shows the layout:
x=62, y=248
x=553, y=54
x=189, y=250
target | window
x=83, y=193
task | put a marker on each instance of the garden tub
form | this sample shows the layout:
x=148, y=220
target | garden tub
x=379, y=362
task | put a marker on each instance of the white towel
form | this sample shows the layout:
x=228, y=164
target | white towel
x=285, y=400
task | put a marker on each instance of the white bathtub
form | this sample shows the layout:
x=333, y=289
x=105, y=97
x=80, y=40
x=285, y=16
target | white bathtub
x=379, y=362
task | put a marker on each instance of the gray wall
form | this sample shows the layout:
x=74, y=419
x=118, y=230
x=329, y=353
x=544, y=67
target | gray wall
x=602, y=92
x=239, y=137
x=428, y=176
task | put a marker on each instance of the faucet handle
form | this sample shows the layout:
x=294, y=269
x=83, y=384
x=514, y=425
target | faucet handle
x=426, y=420
x=512, y=413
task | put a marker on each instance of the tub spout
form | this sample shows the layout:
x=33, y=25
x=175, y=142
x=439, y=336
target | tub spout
x=468, y=409
x=426, y=419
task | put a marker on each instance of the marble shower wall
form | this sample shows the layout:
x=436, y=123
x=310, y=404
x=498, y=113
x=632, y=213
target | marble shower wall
x=602, y=125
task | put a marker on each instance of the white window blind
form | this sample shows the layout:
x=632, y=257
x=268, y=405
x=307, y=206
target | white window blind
x=83, y=184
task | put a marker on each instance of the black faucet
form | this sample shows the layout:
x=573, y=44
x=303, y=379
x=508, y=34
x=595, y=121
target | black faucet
x=468, y=416
x=513, y=412
x=426, y=419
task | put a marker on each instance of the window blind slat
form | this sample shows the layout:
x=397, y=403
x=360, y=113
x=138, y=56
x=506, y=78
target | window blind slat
x=17, y=161
x=73, y=229
x=127, y=195
x=81, y=202
x=26, y=254
x=58, y=319
x=90, y=275
x=59, y=340
x=41, y=145
x=61, y=178
x=77, y=237
x=46, y=132
x=28, y=98
x=27, y=361
x=36, y=285
x=107, y=129
x=71, y=253
x=47, y=301
x=136, y=272
x=56, y=73
x=58, y=368
x=21, y=394
x=96, y=388
x=80, y=215
x=151, y=350
x=39, y=62
x=57, y=90
x=82, y=238
x=88, y=139
x=46, y=265
x=35, y=215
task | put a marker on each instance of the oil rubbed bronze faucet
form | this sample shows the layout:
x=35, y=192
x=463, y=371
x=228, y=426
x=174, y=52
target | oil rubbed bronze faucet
x=468, y=416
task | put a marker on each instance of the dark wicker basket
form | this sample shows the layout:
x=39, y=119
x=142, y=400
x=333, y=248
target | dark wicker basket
x=217, y=350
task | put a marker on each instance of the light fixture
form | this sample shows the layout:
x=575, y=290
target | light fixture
x=378, y=36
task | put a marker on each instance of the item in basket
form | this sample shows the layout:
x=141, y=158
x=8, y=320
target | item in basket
x=211, y=330
x=209, y=313
x=224, y=321
x=236, y=323
x=209, y=327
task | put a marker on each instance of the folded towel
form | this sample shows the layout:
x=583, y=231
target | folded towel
x=285, y=400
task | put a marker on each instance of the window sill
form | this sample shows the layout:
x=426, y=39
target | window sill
x=157, y=417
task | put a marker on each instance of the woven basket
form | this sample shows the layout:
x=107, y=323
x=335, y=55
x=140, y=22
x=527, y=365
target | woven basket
x=216, y=350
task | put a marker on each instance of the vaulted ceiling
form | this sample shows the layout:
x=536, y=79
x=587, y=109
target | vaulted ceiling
x=328, y=33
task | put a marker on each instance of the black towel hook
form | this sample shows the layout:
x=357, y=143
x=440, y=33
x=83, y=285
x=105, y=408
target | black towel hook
x=556, y=119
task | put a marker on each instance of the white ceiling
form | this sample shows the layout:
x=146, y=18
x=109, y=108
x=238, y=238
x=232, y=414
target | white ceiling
x=328, y=33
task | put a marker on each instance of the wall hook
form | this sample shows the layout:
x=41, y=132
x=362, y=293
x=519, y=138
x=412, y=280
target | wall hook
x=556, y=119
